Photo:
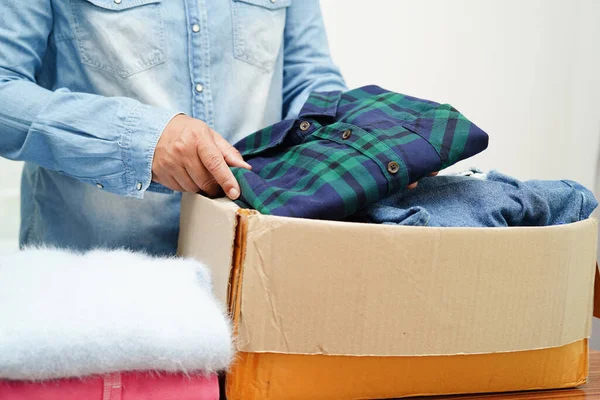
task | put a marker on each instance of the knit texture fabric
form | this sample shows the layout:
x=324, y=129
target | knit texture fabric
x=65, y=314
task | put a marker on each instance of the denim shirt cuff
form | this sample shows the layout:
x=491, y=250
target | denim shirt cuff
x=143, y=128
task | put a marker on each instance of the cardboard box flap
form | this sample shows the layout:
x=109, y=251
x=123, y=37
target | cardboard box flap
x=321, y=287
x=207, y=231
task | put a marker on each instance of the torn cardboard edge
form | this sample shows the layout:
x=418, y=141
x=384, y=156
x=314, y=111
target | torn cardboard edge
x=263, y=334
x=597, y=292
x=235, y=280
x=212, y=243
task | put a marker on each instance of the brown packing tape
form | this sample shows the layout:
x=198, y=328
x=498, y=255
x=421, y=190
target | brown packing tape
x=268, y=376
x=597, y=293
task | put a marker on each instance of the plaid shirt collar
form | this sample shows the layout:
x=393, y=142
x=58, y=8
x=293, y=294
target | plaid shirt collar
x=320, y=104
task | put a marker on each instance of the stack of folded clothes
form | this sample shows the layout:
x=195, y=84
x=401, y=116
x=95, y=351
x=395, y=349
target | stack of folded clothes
x=109, y=325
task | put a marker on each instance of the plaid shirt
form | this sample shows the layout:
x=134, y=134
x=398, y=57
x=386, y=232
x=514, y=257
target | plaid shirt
x=346, y=151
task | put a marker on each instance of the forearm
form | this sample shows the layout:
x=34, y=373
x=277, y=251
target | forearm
x=106, y=141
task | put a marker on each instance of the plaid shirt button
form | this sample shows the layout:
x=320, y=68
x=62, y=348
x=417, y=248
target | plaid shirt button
x=304, y=125
x=346, y=134
x=393, y=167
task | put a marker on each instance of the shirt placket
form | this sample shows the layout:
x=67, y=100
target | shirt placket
x=370, y=145
x=199, y=60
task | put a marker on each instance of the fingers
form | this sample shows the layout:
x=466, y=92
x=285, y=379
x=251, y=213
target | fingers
x=180, y=174
x=191, y=157
x=415, y=184
x=231, y=155
x=168, y=181
x=203, y=180
x=214, y=162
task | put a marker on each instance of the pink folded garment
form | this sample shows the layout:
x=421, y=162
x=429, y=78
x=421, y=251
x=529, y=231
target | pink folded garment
x=116, y=386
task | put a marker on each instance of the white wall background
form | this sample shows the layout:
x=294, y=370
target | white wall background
x=524, y=71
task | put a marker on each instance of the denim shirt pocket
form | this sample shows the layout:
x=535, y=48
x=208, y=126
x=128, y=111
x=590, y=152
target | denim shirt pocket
x=258, y=27
x=120, y=37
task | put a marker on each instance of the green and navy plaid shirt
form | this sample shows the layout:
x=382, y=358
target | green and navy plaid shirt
x=346, y=151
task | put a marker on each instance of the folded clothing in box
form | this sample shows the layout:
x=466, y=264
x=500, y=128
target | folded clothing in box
x=473, y=199
x=66, y=315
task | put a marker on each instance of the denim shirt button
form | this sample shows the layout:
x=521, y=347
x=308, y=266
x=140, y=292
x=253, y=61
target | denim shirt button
x=99, y=186
x=139, y=186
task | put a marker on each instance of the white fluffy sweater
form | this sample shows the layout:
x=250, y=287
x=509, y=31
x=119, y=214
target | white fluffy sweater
x=64, y=314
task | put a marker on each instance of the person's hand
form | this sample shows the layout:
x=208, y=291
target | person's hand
x=191, y=157
x=414, y=184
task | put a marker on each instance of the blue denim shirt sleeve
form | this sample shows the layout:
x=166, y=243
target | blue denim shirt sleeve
x=307, y=65
x=105, y=141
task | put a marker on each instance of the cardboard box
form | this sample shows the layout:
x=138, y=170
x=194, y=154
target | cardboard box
x=334, y=310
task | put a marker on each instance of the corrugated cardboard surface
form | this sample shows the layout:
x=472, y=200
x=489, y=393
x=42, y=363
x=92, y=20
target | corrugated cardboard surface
x=262, y=376
x=318, y=287
x=399, y=305
x=207, y=232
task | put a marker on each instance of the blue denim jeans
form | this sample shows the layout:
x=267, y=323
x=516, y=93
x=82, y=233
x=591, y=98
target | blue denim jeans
x=475, y=200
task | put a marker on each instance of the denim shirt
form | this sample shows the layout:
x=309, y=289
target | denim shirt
x=87, y=87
